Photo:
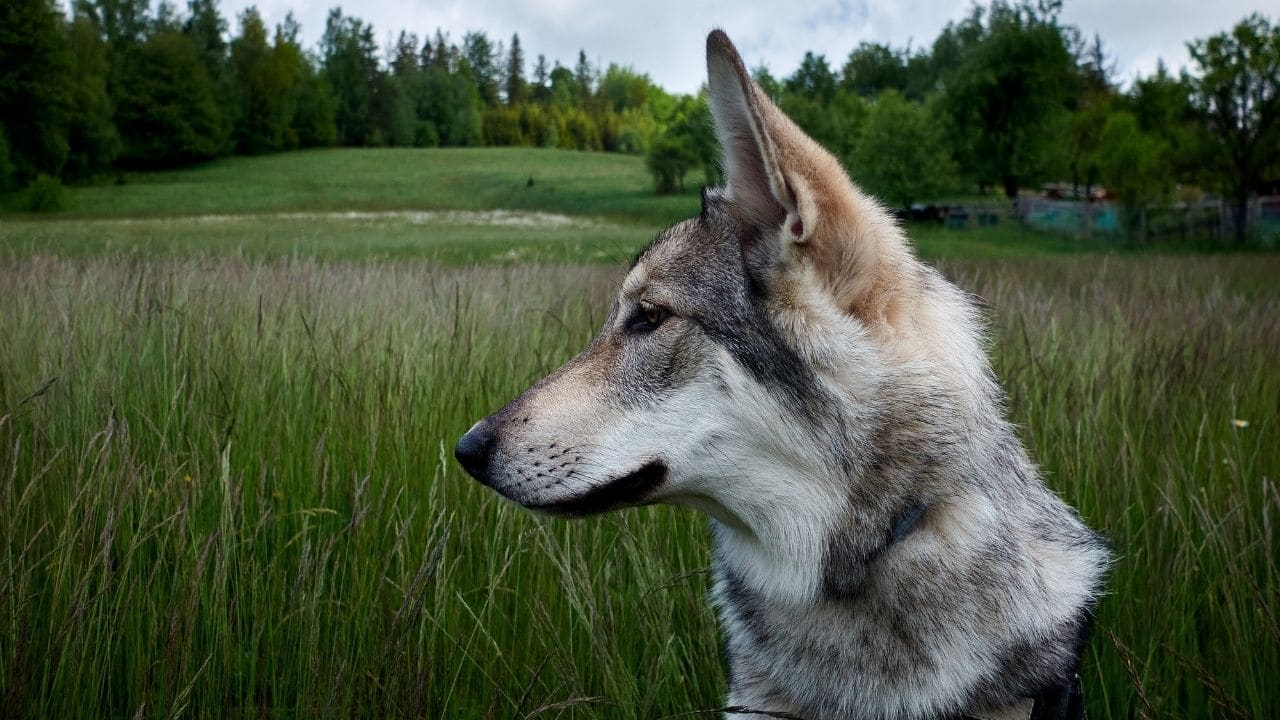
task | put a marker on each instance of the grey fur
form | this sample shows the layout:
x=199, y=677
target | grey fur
x=884, y=548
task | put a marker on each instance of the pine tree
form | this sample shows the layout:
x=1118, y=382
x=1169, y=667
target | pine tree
x=444, y=54
x=351, y=66
x=583, y=75
x=405, y=60
x=478, y=51
x=541, y=76
x=206, y=26
x=517, y=86
x=124, y=22
x=259, y=89
x=311, y=120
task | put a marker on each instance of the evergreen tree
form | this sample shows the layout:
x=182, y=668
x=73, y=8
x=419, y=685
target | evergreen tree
x=427, y=56
x=260, y=89
x=446, y=102
x=208, y=29
x=315, y=107
x=351, y=67
x=124, y=22
x=517, y=87
x=445, y=55
x=392, y=110
x=922, y=76
x=584, y=77
x=396, y=100
x=405, y=60
x=166, y=19
x=541, y=78
x=481, y=58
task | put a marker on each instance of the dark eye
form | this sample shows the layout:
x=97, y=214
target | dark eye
x=647, y=317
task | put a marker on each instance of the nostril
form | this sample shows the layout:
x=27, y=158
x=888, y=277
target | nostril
x=473, y=449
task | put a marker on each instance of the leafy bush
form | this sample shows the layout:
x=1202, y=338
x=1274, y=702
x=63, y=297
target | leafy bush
x=45, y=195
x=669, y=160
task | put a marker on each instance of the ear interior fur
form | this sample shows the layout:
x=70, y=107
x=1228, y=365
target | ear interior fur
x=751, y=167
x=782, y=182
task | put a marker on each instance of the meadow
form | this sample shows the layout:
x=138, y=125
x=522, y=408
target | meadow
x=452, y=206
x=228, y=490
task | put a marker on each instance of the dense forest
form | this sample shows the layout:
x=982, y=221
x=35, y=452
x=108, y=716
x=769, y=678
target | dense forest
x=1002, y=100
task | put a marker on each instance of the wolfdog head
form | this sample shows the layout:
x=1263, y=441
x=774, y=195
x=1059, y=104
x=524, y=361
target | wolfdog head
x=754, y=355
x=743, y=342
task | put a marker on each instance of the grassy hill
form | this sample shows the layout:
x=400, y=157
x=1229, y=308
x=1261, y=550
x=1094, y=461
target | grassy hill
x=560, y=181
x=360, y=204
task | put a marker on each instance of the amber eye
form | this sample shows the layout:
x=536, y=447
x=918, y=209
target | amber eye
x=648, y=317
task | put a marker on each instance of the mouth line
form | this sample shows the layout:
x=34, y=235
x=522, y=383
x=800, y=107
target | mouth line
x=629, y=489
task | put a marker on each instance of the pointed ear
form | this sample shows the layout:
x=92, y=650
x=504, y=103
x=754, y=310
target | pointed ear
x=743, y=116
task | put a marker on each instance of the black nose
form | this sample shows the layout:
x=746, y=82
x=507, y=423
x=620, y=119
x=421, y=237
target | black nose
x=473, y=450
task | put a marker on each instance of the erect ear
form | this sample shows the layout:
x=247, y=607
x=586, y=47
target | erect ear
x=743, y=115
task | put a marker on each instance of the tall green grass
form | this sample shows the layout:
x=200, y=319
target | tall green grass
x=227, y=490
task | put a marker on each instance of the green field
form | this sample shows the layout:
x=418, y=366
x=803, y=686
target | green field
x=573, y=183
x=399, y=204
x=227, y=483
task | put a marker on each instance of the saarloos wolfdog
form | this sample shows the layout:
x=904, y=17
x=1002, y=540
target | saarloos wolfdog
x=884, y=548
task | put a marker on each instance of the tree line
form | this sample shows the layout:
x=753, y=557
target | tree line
x=1002, y=100
x=113, y=86
x=1011, y=97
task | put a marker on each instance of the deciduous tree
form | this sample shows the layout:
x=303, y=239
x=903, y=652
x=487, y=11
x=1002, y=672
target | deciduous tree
x=901, y=154
x=1007, y=95
x=1236, y=89
x=35, y=87
x=1131, y=165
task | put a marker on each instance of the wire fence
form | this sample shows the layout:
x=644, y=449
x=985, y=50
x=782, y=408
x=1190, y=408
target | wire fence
x=1205, y=221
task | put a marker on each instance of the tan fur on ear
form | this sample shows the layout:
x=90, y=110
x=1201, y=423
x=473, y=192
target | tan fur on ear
x=780, y=177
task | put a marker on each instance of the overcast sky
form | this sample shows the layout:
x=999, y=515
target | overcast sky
x=664, y=38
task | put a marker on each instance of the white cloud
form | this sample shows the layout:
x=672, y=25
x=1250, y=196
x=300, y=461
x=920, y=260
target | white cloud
x=664, y=38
